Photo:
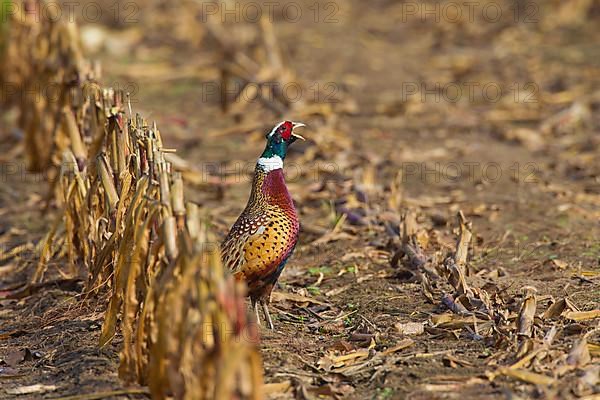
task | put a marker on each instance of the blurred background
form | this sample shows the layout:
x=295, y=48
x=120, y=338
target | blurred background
x=489, y=107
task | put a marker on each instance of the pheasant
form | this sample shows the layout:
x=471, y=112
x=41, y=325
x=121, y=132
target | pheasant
x=264, y=236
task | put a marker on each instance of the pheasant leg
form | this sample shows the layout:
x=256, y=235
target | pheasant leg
x=265, y=308
x=256, y=311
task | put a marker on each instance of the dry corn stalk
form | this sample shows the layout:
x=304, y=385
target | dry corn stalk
x=194, y=340
x=125, y=226
x=46, y=77
x=183, y=318
x=256, y=62
x=527, y=313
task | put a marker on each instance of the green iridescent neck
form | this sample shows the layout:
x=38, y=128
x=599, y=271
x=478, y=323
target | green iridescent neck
x=274, y=149
x=272, y=158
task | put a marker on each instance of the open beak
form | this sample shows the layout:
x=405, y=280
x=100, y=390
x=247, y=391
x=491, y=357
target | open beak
x=297, y=125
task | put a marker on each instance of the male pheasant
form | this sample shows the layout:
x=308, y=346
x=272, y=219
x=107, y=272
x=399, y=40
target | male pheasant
x=265, y=234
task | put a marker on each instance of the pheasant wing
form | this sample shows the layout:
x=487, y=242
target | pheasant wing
x=245, y=229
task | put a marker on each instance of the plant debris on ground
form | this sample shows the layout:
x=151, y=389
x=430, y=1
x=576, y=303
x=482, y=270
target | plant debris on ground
x=449, y=240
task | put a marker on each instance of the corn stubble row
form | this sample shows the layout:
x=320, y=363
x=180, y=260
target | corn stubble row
x=126, y=227
x=43, y=73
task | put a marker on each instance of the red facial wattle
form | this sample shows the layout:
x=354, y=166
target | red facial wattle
x=286, y=130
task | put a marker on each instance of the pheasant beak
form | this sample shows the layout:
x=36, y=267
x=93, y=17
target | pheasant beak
x=297, y=125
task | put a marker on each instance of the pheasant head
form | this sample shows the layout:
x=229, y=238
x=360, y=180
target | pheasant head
x=278, y=141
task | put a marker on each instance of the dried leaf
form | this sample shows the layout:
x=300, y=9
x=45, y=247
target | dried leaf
x=527, y=312
x=556, y=309
x=410, y=328
x=594, y=349
x=278, y=296
x=403, y=344
x=527, y=376
x=31, y=389
x=453, y=362
x=464, y=239
x=582, y=315
x=453, y=321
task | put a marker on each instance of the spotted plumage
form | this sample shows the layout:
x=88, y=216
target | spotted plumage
x=265, y=234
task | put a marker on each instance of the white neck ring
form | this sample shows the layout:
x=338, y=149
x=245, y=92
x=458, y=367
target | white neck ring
x=271, y=163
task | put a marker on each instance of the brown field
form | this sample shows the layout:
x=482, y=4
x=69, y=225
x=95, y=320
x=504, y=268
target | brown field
x=494, y=117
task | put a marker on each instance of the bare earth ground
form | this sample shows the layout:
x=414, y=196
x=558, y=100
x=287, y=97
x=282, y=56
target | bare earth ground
x=530, y=186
